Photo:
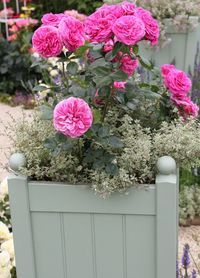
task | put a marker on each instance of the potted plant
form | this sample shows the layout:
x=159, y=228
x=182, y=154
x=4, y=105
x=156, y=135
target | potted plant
x=100, y=127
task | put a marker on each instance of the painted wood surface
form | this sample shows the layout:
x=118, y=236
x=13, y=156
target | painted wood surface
x=66, y=231
x=181, y=50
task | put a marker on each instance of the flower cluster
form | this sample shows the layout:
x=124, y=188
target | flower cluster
x=179, y=85
x=124, y=22
x=17, y=26
x=57, y=31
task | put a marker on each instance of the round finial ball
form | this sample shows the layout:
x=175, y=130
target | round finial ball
x=166, y=165
x=16, y=161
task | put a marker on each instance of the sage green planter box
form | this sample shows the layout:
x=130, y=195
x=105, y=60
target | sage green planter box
x=66, y=231
x=181, y=49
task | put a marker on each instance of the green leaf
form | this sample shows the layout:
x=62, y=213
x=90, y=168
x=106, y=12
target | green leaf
x=119, y=76
x=77, y=91
x=81, y=50
x=115, y=142
x=109, y=56
x=118, y=46
x=47, y=112
x=112, y=169
x=102, y=71
x=50, y=143
x=145, y=63
x=103, y=81
x=135, y=49
x=39, y=88
x=101, y=62
x=72, y=68
x=96, y=116
x=97, y=47
x=103, y=132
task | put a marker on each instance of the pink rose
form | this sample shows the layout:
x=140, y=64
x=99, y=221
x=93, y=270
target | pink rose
x=98, y=26
x=72, y=32
x=129, y=29
x=72, y=117
x=119, y=84
x=177, y=82
x=26, y=22
x=166, y=68
x=186, y=107
x=52, y=19
x=128, y=8
x=128, y=65
x=47, y=41
x=12, y=37
x=151, y=25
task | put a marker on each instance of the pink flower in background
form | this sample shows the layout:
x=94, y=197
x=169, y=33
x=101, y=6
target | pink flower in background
x=13, y=28
x=151, y=25
x=98, y=26
x=47, y=41
x=9, y=12
x=128, y=64
x=166, y=68
x=77, y=15
x=72, y=32
x=129, y=29
x=26, y=22
x=52, y=19
x=128, y=8
x=12, y=38
x=119, y=84
x=177, y=82
x=72, y=117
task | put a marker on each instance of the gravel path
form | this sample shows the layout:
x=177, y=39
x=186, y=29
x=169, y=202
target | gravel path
x=190, y=235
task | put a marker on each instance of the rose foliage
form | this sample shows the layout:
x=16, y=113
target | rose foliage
x=101, y=87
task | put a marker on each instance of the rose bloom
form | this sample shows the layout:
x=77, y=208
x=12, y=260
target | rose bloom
x=13, y=29
x=128, y=65
x=52, y=19
x=72, y=117
x=119, y=84
x=166, y=68
x=129, y=29
x=98, y=26
x=128, y=8
x=47, y=41
x=72, y=32
x=12, y=37
x=151, y=25
x=177, y=82
x=186, y=106
x=26, y=22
